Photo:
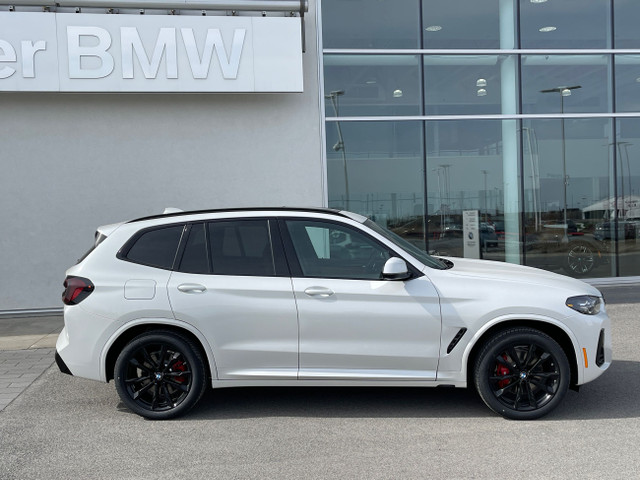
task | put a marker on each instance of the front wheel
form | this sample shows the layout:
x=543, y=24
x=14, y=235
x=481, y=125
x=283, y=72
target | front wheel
x=522, y=373
x=160, y=375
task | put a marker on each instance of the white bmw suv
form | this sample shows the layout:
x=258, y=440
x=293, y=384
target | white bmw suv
x=169, y=304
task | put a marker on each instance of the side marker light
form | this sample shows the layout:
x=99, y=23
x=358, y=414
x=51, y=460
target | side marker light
x=586, y=361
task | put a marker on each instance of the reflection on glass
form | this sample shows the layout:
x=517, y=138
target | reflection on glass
x=382, y=164
x=373, y=84
x=445, y=27
x=564, y=24
x=567, y=175
x=627, y=83
x=626, y=211
x=463, y=84
x=465, y=172
x=367, y=24
x=626, y=14
x=541, y=73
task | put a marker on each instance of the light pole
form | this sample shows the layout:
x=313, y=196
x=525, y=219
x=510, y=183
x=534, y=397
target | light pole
x=485, y=172
x=564, y=92
x=447, y=190
x=339, y=146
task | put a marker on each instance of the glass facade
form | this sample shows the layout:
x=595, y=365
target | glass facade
x=525, y=113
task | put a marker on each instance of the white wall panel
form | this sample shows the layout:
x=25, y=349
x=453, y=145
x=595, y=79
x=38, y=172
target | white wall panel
x=71, y=162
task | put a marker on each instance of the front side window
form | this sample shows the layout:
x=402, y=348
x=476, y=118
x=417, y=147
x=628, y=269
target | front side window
x=330, y=250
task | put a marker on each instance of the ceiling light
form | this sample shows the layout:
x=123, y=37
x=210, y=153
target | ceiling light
x=547, y=29
x=538, y=1
x=481, y=92
x=638, y=79
x=433, y=28
x=481, y=82
x=397, y=93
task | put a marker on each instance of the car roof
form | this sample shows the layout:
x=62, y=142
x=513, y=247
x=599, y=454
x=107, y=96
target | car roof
x=330, y=211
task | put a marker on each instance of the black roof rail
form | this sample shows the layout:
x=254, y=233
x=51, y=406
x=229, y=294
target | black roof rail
x=332, y=211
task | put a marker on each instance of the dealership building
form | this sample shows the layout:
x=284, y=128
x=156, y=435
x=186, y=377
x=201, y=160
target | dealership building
x=502, y=129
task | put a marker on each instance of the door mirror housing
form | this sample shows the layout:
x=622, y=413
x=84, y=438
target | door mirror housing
x=395, y=269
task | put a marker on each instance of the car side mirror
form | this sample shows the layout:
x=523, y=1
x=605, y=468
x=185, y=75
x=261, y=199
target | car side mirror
x=395, y=269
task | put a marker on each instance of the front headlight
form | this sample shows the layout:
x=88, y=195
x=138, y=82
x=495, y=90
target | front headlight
x=587, y=304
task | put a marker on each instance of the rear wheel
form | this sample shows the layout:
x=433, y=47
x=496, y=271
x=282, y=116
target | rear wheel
x=522, y=373
x=160, y=375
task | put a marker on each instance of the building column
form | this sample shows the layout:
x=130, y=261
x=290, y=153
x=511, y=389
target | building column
x=510, y=150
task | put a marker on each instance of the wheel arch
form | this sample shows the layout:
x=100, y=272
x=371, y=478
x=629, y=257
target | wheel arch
x=554, y=331
x=132, y=329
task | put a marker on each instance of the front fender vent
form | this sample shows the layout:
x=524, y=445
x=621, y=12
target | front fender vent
x=600, y=351
x=456, y=339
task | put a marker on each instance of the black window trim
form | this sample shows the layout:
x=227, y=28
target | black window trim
x=294, y=263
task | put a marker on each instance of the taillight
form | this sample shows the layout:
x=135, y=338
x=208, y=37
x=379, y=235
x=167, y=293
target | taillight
x=76, y=289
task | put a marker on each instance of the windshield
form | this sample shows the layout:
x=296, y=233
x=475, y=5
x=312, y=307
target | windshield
x=421, y=255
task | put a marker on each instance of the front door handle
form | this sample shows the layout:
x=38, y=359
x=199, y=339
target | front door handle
x=192, y=288
x=319, y=292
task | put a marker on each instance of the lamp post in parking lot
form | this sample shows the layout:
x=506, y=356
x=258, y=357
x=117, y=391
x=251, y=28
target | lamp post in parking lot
x=339, y=146
x=564, y=92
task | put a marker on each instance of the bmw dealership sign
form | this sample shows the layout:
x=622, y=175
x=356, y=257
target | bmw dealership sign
x=69, y=52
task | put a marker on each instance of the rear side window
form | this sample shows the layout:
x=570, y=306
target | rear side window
x=156, y=248
x=195, y=258
x=241, y=247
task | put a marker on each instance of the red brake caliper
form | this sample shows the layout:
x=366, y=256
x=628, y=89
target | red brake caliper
x=501, y=371
x=179, y=366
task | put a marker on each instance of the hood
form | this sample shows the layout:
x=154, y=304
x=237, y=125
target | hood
x=465, y=268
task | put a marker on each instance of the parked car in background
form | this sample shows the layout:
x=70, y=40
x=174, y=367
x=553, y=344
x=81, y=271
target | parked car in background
x=171, y=304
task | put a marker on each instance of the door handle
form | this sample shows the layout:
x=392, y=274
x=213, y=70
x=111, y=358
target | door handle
x=319, y=292
x=192, y=288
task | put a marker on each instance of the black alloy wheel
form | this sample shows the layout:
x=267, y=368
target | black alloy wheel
x=580, y=259
x=160, y=375
x=522, y=373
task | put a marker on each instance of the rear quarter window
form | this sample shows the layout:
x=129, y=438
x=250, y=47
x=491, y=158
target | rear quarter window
x=155, y=247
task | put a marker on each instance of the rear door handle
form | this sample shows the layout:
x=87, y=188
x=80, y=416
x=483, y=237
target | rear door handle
x=319, y=292
x=192, y=288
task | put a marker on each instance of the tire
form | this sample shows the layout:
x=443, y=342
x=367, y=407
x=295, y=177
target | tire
x=522, y=373
x=160, y=375
x=580, y=259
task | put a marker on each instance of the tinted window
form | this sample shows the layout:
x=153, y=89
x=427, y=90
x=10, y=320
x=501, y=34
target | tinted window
x=195, y=257
x=327, y=249
x=157, y=247
x=241, y=247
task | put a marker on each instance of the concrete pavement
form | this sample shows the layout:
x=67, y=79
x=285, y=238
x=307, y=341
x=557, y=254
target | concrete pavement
x=27, y=347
